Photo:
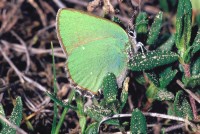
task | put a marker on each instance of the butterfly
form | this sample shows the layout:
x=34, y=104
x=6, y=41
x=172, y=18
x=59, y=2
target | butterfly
x=94, y=47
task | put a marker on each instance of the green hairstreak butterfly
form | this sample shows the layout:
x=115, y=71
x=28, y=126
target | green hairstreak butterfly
x=94, y=47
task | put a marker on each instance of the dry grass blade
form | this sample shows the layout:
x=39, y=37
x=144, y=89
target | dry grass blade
x=28, y=60
x=10, y=16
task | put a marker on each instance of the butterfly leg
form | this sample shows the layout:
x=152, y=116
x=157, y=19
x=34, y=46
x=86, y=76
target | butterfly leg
x=141, y=46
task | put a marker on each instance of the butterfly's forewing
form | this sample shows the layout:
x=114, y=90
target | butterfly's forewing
x=95, y=46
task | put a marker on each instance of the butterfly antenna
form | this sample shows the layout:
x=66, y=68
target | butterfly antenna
x=130, y=24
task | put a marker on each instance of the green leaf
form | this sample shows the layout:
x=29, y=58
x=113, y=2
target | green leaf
x=139, y=77
x=183, y=25
x=124, y=94
x=98, y=112
x=15, y=118
x=182, y=107
x=55, y=107
x=80, y=104
x=170, y=110
x=196, y=44
x=164, y=5
x=92, y=128
x=151, y=92
x=167, y=76
x=151, y=59
x=59, y=102
x=138, y=122
x=141, y=24
x=153, y=78
x=110, y=87
x=187, y=55
x=82, y=123
x=114, y=122
x=112, y=105
x=16, y=115
x=192, y=81
x=163, y=95
x=167, y=46
x=2, y=124
x=195, y=67
x=2, y=110
x=65, y=111
x=155, y=29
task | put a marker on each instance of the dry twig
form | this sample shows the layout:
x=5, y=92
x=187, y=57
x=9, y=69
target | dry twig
x=21, y=76
x=28, y=60
x=40, y=12
x=188, y=91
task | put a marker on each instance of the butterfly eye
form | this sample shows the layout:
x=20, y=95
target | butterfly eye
x=132, y=34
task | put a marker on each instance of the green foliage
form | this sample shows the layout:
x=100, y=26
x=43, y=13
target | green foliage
x=82, y=122
x=163, y=95
x=168, y=44
x=141, y=23
x=158, y=83
x=109, y=105
x=138, y=122
x=183, y=27
x=167, y=5
x=98, y=112
x=167, y=76
x=151, y=92
x=152, y=76
x=59, y=102
x=92, y=128
x=155, y=29
x=109, y=87
x=182, y=107
x=151, y=59
x=62, y=118
x=80, y=111
x=55, y=109
x=124, y=94
x=192, y=81
x=164, y=5
x=195, y=67
x=196, y=44
x=15, y=118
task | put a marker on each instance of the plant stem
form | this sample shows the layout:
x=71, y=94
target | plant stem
x=192, y=101
x=187, y=70
x=62, y=118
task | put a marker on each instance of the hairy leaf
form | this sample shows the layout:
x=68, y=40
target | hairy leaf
x=152, y=59
x=155, y=29
x=138, y=122
x=182, y=107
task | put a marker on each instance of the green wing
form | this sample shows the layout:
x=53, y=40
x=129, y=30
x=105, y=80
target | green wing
x=95, y=46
